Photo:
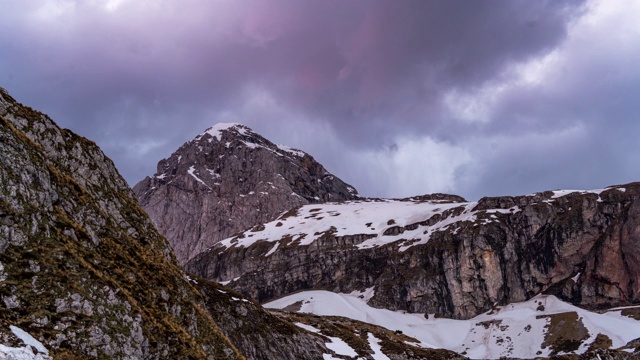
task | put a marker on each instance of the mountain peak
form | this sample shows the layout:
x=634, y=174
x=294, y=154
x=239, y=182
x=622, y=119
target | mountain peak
x=228, y=179
x=236, y=134
x=216, y=130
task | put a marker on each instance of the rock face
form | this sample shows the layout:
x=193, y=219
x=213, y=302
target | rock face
x=81, y=266
x=444, y=256
x=85, y=272
x=227, y=180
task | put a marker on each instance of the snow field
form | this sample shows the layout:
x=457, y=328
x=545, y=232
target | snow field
x=515, y=330
x=371, y=217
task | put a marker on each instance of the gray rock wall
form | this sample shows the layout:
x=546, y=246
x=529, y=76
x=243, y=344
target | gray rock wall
x=211, y=188
x=582, y=247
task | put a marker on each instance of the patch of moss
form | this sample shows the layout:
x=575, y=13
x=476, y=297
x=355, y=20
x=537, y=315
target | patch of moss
x=296, y=306
x=291, y=213
x=565, y=332
x=601, y=342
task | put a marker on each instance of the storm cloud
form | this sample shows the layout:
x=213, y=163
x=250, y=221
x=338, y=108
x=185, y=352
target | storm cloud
x=396, y=97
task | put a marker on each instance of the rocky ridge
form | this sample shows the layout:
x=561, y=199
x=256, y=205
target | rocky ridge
x=228, y=179
x=444, y=257
x=447, y=257
x=82, y=268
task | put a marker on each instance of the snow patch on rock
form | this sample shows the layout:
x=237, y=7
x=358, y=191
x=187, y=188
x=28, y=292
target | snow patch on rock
x=33, y=349
x=216, y=130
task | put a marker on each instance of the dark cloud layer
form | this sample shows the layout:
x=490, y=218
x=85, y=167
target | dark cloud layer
x=396, y=97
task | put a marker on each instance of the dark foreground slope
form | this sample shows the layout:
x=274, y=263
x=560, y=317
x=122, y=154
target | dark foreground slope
x=261, y=335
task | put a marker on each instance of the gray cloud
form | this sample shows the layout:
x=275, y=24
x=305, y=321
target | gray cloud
x=401, y=97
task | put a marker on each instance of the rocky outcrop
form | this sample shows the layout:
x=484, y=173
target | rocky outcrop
x=452, y=259
x=227, y=180
x=82, y=268
x=84, y=271
x=357, y=335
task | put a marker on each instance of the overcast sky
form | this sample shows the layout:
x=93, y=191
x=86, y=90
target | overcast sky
x=397, y=98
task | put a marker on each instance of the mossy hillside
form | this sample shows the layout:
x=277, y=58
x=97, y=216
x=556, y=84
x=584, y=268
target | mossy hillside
x=255, y=331
x=83, y=268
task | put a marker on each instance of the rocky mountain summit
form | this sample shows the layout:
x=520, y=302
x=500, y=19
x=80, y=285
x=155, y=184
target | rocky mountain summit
x=85, y=274
x=228, y=179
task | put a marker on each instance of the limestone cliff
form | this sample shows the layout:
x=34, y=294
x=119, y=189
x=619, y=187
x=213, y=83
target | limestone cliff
x=226, y=180
x=444, y=255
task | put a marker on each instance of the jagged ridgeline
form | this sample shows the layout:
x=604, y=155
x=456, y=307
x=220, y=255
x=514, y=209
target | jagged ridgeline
x=85, y=272
x=443, y=255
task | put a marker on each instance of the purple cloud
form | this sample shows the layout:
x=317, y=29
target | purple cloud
x=493, y=88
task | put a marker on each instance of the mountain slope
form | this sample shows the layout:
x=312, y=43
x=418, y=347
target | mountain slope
x=85, y=272
x=445, y=256
x=226, y=180
x=261, y=335
x=81, y=266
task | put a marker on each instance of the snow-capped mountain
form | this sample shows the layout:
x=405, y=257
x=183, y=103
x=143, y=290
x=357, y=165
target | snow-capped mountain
x=228, y=179
x=84, y=274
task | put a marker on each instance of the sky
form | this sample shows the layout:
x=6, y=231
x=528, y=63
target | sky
x=397, y=98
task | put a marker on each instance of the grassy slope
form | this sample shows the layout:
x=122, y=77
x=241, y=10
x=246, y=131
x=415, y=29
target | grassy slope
x=84, y=271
